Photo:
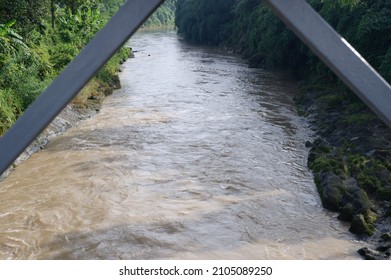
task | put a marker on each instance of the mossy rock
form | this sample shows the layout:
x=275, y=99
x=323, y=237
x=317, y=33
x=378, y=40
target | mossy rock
x=331, y=190
x=331, y=197
x=360, y=201
x=354, y=201
x=355, y=106
x=325, y=163
x=360, y=226
x=371, y=217
x=368, y=182
x=360, y=118
x=370, y=254
x=356, y=163
x=385, y=193
x=347, y=212
x=332, y=100
x=386, y=236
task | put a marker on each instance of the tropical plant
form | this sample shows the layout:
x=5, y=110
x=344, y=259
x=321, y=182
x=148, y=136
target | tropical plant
x=10, y=41
x=32, y=54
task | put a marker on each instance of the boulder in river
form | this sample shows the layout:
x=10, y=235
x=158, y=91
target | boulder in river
x=360, y=226
x=370, y=254
x=331, y=190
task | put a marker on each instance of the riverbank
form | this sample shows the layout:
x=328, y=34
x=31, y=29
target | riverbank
x=351, y=163
x=85, y=105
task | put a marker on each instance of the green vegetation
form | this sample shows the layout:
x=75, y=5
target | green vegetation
x=250, y=27
x=164, y=16
x=204, y=21
x=38, y=39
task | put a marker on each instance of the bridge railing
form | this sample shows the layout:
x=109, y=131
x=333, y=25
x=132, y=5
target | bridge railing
x=297, y=14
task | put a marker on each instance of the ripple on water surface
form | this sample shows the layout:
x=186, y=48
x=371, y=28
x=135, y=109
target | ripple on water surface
x=196, y=157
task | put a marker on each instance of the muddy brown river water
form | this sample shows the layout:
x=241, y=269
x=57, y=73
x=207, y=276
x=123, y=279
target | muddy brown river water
x=196, y=157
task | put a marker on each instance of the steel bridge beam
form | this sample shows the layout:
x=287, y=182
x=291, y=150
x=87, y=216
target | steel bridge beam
x=75, y=76
x=337, y=53
x=297, y=14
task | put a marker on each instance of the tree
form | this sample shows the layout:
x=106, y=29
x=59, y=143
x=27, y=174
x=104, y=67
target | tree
x=27, y=13
x=204, y=21
x=74, y=5
x=164, y=15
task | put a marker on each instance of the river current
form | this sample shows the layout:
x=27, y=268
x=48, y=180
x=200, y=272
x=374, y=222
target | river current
x=196, y=157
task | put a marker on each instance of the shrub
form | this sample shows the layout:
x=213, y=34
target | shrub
x=10, y=109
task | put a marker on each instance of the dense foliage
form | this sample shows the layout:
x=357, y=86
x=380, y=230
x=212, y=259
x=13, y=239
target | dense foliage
x=27, y=13
x=38, y=38
x=33, y=50
x=250, y=27
x=204, y=21
x=164, y=16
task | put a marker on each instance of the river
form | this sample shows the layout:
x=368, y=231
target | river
x=196, y=157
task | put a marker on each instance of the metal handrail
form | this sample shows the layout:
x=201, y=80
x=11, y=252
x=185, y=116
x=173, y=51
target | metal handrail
x=297, y=14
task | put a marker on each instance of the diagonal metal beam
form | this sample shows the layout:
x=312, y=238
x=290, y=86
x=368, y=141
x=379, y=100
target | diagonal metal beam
x=75, y=76
x=337, y=53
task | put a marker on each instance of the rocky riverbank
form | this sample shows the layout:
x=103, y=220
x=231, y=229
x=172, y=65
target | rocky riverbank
x=351, y=162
